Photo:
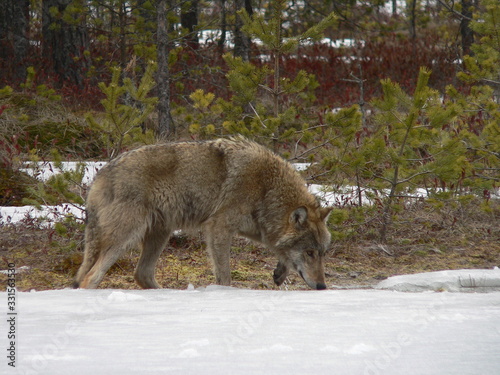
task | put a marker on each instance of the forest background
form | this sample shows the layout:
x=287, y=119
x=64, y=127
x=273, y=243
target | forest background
x=381, y=99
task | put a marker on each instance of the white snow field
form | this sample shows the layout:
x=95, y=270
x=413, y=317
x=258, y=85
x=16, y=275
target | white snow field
x=221, y=330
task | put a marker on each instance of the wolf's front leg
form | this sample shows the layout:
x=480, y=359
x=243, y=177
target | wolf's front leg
x=280, y=273
x=153, y=244
x=219, y=247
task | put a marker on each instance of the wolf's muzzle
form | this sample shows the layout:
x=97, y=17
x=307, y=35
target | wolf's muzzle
x=320, y=286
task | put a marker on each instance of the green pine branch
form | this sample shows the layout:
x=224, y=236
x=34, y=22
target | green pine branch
x=121, y=123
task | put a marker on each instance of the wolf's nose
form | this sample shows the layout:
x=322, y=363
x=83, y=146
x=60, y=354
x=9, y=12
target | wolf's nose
x=320, y=286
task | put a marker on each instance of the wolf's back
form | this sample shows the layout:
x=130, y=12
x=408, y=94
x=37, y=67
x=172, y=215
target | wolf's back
x=182, y=179
x=189, y=181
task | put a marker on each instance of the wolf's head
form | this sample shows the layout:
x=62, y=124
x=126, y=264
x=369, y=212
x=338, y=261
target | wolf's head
x=303, y=245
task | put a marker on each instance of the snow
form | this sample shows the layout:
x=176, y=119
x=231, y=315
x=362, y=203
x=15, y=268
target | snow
x=400, y=6
x=47, y=215
x=44, y=170
x=222, y=330
x=451, y=281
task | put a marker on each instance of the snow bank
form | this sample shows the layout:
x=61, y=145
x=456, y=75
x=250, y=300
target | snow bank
x=44, y=217
x=44, y=170
x=218, y=330
x=450, y=281
x=346, y=196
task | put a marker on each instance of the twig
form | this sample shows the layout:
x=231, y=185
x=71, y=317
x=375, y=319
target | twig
x=452, y=10
x=256, y=114
x=310, y=150
x=385, y=250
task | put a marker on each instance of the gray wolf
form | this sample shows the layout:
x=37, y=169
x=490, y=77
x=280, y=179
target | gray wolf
x=224, y=187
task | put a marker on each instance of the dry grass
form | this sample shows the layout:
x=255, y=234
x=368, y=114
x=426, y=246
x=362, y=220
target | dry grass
x=424, y=238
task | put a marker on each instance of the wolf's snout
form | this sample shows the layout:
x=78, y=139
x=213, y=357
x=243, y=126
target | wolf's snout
x=320, y=286
x=312, y=284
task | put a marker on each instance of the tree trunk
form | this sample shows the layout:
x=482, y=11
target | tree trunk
x=189, y=21
x=465, y=30
x=64, y=43
x=223, y=26
x=413, y=18
x=165, y=124
x=14, y=44
x=122, y=19
x=394, y=7
x=241, y=40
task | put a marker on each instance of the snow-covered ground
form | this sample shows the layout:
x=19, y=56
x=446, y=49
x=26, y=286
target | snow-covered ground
x=221, y=330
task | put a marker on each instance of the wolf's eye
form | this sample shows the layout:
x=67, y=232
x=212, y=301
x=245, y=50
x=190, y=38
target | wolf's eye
x=310, y=253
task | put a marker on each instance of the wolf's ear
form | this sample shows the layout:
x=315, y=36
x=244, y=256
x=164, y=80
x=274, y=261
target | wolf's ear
x=299, y=217
x=324, y=212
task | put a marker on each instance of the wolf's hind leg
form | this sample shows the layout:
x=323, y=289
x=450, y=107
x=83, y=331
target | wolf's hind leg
x=103, y=264
x=154, y=242
x=113, y=241
x=89, y=259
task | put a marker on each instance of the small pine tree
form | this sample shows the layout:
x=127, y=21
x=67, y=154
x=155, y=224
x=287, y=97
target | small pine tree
x=257, y=107
x=408, y=145
x=484, y=65
x=122, y=122
x=270, y=33
x=480, y=120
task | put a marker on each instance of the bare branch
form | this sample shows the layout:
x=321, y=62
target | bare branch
x=451, y=9
x=310, y=150
x=258, y=117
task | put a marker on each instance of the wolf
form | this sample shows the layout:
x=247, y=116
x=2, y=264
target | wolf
x=223, y=187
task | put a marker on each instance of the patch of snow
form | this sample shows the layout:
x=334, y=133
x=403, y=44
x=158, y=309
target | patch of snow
x=360, y=349
x=17, y=270
x=44, y=170
x=466, y=280
x=47, y=215
x=336, y=43
x=301, y=166
x=400, y=6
